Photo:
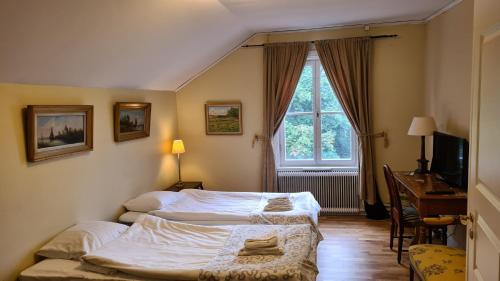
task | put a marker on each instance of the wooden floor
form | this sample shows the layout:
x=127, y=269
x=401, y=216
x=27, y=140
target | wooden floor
x=356, y=248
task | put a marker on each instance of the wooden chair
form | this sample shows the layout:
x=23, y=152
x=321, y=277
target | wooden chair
x=437, y=263
x=401, y=217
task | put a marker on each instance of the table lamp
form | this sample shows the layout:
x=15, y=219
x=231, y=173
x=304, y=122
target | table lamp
x=178, y=148
x=422, y=126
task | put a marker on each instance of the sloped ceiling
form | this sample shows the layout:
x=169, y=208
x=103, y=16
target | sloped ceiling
x=159, y=44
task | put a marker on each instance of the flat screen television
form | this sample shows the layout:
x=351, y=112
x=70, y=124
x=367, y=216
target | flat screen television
x=450, y=159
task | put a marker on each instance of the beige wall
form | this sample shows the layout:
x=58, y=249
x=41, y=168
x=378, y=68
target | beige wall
x=224, y=162
x=448, y=69
x=448, y=75
x=39, y=200
x=230, y=163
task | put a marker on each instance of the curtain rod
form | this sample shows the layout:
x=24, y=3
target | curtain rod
x=371, y=37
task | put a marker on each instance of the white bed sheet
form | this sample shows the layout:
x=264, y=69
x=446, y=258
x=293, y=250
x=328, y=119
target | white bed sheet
x=65, y=270
x=211, y=205
x=130, y=217
x=158, y=248
x=203, y=205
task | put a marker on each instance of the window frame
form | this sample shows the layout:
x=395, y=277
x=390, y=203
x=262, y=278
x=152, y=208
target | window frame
x=316, y=113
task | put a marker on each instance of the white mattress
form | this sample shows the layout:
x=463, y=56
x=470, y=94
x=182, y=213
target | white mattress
x=59, y=270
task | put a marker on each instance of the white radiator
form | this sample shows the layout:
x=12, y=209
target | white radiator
x=336, y=190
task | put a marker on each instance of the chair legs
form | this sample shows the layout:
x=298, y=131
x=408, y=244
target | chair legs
x=393, y=229
x=399, y=229
x=417, y=234
x=400, y=242
x=444, y=234
x=412, y=274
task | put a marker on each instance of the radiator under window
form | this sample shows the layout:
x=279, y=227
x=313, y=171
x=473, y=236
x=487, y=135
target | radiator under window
x=336, y=190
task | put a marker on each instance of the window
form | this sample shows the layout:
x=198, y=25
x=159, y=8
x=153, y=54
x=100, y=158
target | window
x=315, y=130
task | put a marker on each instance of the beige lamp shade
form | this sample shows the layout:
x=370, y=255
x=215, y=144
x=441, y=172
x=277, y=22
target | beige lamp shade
x=422, y=126
x=178, y=147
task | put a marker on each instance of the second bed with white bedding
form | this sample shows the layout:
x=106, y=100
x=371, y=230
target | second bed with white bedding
x=218, y=207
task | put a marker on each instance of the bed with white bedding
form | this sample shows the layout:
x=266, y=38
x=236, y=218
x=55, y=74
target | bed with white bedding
x=163, y=250
x=222, y=208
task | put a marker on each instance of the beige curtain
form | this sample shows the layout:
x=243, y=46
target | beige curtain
x=283, y=64
x=347, y=65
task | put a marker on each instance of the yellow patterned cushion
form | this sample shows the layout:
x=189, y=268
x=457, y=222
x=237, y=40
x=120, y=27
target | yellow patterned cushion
x=439, y=220
x=437, y=262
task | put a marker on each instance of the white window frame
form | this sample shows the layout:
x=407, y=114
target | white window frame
x=313, y=60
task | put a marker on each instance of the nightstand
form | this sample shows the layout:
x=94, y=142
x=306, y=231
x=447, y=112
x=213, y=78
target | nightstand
x=186, y=185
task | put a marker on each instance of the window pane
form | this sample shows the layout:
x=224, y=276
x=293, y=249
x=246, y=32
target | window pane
x=302, y=100
x=299, y=137
x=329, y=101
x=335, y=137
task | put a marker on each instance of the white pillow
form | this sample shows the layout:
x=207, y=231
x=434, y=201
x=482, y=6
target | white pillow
x=129, y=217
x=80, y=239
x=151, y=201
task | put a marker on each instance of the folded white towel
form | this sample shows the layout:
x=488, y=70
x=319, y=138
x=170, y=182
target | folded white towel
x=268, y=242
x=278, y=208
x=271, y=251
x=281, y=204
x=278, y=205
x=279, y=199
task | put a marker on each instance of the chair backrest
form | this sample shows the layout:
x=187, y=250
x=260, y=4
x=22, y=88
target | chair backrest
x=396, y=206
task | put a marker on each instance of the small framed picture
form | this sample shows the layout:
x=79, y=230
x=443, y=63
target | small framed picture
x=223, y=118
x=58, y=130
x=131, y=120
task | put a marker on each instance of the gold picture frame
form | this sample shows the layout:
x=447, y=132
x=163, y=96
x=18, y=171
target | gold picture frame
x=223, y=118
x=132, y=120
x=58, y=130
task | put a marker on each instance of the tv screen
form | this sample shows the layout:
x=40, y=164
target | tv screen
x=450, y=159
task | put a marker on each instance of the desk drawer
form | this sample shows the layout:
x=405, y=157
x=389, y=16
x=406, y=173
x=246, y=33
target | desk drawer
x=430, y=207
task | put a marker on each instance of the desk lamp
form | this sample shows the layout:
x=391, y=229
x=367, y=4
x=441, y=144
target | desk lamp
x=422, y=126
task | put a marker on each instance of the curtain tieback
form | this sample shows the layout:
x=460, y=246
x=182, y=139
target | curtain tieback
x=382, y=134
x=257, y=138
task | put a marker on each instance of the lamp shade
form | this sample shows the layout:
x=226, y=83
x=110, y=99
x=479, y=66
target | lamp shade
x=422, y=126
x=178, y=147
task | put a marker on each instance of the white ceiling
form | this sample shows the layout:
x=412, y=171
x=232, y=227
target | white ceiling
x=160, y=44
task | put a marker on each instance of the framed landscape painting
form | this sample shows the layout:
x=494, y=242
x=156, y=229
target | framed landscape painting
x=132, y=120
x=223, y=118
x=58, y=130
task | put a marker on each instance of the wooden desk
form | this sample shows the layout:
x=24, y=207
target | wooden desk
x=416, y=187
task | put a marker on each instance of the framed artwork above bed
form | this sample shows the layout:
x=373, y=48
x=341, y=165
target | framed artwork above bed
x=223, y=118
x=57, y=130
x=131, y=120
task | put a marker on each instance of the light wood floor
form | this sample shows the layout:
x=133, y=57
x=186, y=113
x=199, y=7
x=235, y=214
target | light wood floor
x=356, y=248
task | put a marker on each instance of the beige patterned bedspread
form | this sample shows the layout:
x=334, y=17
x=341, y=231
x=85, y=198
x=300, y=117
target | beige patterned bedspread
x=297, y=264
x=276, y=218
